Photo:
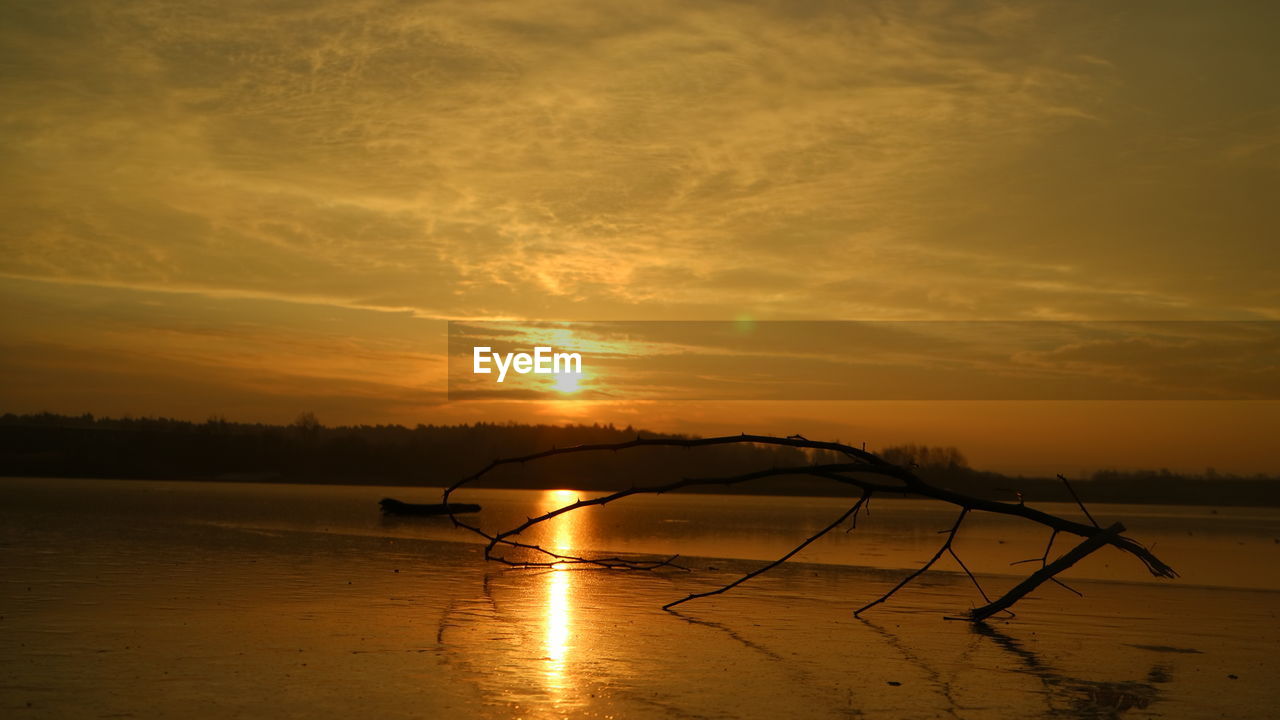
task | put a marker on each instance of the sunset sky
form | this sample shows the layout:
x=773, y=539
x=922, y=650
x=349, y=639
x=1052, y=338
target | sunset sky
x=254, y=209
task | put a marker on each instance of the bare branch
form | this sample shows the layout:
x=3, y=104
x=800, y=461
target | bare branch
x=965, y=568
x=793, y=441
x=822, y=470
x=1044, y=557
x=1044, y=560
x=1046, y=573
x=851, y=512
x=854, y=473
x=505, y=537
x=951, y=535
x=1077, y=499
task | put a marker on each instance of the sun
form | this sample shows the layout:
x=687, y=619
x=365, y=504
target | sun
x=567, y=382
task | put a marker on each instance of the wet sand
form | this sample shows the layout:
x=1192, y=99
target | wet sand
x=164, y=617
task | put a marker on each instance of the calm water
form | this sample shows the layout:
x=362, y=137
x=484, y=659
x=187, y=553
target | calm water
x=150, y=599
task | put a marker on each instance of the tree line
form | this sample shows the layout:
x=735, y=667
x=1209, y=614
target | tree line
x=51, y=445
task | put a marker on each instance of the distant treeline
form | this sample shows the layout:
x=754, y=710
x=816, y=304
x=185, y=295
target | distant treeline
x=49, y=445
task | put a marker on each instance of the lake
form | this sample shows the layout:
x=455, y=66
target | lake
x=157, y=599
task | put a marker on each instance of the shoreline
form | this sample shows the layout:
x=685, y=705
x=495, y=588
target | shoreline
x=1227, y=501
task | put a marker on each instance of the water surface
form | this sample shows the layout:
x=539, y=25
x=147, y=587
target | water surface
x=152, y=599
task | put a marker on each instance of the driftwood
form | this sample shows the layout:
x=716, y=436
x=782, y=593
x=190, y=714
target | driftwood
x=864, y=470
x=1039, y=577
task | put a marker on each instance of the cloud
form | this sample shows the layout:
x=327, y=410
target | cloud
x=113, y=347
x=307, y=189
x=505, y=159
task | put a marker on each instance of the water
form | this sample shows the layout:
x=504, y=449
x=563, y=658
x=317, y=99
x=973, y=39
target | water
x=150, y=599
x=894, y=534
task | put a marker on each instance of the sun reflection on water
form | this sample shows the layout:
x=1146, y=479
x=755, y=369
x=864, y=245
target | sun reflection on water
x=559, y=618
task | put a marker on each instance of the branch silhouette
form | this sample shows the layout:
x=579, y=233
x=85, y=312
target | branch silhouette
x=851, y=512
x=864, y=470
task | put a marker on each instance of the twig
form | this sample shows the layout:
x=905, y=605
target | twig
x=871, y=459
x=853, y=511
x=965, y=568
x=505, y=537
x=1044, y=559
x=1046, y=573
x=951, y=535
x=1078, y=502
x=853, y=524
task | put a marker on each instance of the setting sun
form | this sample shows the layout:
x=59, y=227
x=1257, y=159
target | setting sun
x=567, y=382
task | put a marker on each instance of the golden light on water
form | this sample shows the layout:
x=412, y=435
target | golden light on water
x=559, y=618
x=563, y=528
x=559, y=615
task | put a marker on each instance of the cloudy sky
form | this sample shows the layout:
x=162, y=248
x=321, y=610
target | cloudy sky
x=253, y=209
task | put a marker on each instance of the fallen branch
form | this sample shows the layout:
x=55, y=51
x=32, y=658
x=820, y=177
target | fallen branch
x=951, y=535
x=851, y=512
x=1076, y=497
x=1046, y=573
x=1044, y=559
x=865, y=471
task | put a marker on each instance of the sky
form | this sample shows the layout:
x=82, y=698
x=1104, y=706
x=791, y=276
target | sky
x=255, y=209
